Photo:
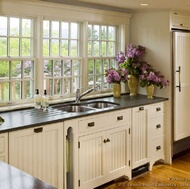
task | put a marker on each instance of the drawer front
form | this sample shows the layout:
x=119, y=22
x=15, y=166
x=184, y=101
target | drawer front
x=157, y=149
x=156, y=126
x=95, y=123
x=157, y=109
x=122, y=118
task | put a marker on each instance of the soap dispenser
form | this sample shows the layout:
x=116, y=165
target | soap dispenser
x=45, y=100
x=37, y=100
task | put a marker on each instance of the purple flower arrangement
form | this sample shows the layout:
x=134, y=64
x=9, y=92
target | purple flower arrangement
x=150, y=76
x=132, y=61
x=116, y=75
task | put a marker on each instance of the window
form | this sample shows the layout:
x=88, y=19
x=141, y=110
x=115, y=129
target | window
x=16, y=61
x=101, y=54
x=62, y=63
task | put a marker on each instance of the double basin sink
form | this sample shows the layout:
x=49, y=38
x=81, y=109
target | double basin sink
x=85, y=106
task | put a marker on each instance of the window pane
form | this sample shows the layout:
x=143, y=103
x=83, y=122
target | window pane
x=28, y=69
x=104, y=48
x=26, y=27
x=64, y=48
x=3, y=46
x=96, y=32
x=14, y=27
x=55, y=47
x=3, y=27
x=28, y=89
x=74, y=31
x=55, y=29
x=48, y=68
x=4, y=70
x=89, y=48
x=111, y=48
x=14, y=47
x=104, y=32
x=89, y=31
x=76, y=67
x=76, y=84
x=57, y=68
x=45, y=47
x=96, y=48
x=106, y=65
x=16, y=69
x=91, y=66
x=16, y=90
x=74, y=48
x=48, y=85
x=98, y=66
x=65, y=30
x=111, y=33
x=67, y=68
x=26, y=50
x=57, y=86
x=45, y=28
x=4, y=88
x=98, y=83
x=90, y=81
x=67, y=85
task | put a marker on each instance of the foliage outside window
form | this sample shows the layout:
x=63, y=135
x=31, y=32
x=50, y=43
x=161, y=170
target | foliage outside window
x=16, y=61
x=101, y=54
x=62, y=63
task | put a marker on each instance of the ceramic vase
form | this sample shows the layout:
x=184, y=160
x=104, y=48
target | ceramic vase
x=150, y=91
x=116, y=90
x=133, y=83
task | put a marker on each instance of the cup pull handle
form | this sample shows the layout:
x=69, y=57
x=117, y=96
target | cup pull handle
x=158, y=147
x=91, y=124
x=158, y=109
x=158, y=126
x=38, y=130
x=120, y=118
x=141, y=108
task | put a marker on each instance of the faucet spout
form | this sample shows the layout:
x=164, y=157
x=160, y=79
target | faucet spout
x=79, y=96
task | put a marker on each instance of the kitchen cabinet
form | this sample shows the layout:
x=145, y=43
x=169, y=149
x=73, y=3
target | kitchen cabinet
x=39, y=152
x=139, y=138
x=103, y=148
x=156, y=133
x=4, y=147
x=180, y=21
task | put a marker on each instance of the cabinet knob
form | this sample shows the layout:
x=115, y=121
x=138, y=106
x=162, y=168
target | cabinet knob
x=104, y=140
x=38, y=130
x=108, y=140
x=141, y=108
x=91, y=124
x=158, y=109
x=120, y=118
x=158, y=126
x=158, y=147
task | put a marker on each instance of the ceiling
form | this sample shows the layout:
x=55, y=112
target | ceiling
x=129, y=5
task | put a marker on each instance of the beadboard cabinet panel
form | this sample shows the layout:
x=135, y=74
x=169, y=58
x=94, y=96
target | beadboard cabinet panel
x=4, y=147
x=39, y=152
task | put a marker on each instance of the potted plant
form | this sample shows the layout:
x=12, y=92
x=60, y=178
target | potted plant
x=151, y=78
x=115, y=77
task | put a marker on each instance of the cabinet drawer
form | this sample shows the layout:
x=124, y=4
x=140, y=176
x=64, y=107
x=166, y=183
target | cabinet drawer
x=156, y=109
x=95, y=123
x=156, y=126
x=157, y=149
x=122, y=117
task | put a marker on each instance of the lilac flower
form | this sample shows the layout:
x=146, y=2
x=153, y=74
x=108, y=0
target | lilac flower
x=120, y=57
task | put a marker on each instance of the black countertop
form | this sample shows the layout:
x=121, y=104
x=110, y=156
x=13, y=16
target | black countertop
x=13, y=178
x=25, y=118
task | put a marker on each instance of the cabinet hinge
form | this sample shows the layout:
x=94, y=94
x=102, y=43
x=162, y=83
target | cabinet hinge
x=79, y=145
x=129, y=131
x=79, y=183
x=129, y=163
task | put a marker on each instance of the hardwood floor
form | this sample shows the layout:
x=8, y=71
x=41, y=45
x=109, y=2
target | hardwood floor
x=162, y=176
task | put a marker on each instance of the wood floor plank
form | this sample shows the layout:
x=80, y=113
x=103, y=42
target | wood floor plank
x=163, y=176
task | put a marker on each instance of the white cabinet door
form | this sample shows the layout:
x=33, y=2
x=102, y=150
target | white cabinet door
x=180, y=21
x=39, y=152
x=4, y=147
x=139, y=136
x=181, y=85
x=103, y=156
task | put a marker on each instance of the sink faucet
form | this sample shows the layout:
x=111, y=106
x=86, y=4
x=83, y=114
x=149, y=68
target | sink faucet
x=79, y=96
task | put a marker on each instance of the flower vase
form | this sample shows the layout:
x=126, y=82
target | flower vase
x=133, y=85
x=116, y=90
x=150, y=91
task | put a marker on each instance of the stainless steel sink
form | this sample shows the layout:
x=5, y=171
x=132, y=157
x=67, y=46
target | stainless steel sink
x=73, y=108
x=102, y=104
x=84, y=106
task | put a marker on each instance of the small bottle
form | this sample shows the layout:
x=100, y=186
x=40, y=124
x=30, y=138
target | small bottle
x=45, y=100
x=37, y=100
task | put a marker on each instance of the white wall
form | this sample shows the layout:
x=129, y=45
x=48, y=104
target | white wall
x=152, y=30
